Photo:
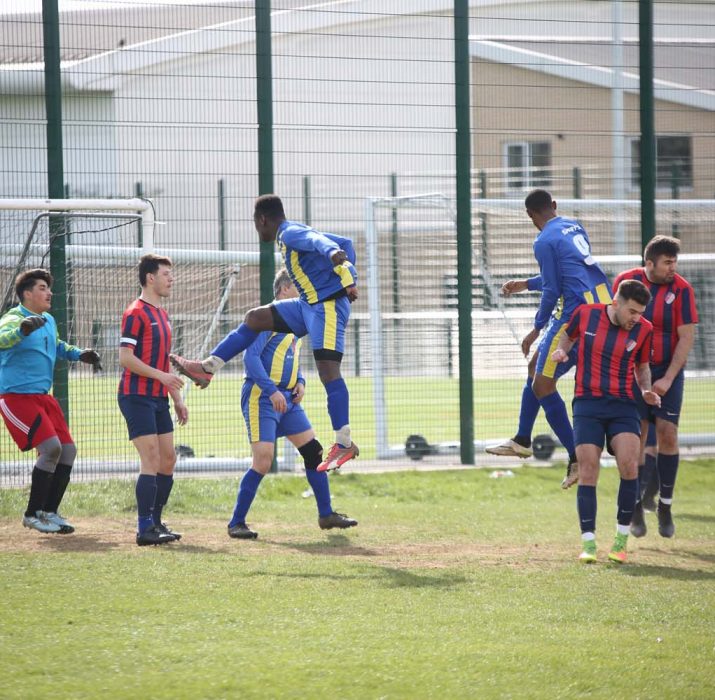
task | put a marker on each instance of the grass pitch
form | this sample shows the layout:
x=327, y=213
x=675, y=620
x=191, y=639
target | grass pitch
x=454, y=585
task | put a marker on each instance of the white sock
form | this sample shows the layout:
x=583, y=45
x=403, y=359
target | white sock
x=212, y=364
x=343, y=436
x=588, y=536
x=623, y=529
x=666, y=501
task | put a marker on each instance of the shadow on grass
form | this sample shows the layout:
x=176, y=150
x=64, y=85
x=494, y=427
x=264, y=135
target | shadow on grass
x=695, y=517
x=334, y=545
x=389, y=576
x=667, y=572
x=78, y=543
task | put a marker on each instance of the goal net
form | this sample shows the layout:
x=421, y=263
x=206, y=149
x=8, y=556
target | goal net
x=411, y=338
x=103, y=243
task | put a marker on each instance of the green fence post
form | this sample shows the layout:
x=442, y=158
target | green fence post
x=487, y=302
x=464, y=228
x=648, y=153
x=56, y=187
x=139, y=194
x=307, y=214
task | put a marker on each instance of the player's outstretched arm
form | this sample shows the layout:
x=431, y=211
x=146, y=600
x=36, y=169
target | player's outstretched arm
x=130, y=361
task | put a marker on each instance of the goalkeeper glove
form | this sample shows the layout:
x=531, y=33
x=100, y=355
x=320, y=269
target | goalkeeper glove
x=32, y=323
x=91, y=357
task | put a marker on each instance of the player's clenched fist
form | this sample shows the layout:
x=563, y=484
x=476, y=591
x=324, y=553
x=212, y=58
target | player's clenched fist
x=32, y=323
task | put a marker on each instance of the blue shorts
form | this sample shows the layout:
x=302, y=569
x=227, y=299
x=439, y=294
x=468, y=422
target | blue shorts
x=595, y=419
x=263, y=422
x=325, y=322
x=670, y=404
x=146, y=415
x=548, y=343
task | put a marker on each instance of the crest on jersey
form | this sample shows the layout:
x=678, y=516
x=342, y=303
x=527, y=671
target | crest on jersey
x=630, y=346
x=669, y=298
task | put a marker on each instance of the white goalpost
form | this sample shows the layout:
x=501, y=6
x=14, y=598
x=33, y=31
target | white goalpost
x=412, y=315
x=104, y=239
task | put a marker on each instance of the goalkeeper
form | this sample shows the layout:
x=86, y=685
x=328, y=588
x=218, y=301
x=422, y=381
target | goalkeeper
x=29, y=348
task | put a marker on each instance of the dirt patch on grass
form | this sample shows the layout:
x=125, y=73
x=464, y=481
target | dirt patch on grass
x=208, y=536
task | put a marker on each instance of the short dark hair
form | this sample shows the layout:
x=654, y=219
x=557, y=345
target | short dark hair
x=270, y=205
x=149, y=264
x=661, y=245
x=282, y=279
x=633, y=290
x=538, y=200
x=27, y=280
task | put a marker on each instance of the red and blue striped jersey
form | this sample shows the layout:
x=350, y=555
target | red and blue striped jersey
x=607, y=353
x=671, y=305
x=145, y=329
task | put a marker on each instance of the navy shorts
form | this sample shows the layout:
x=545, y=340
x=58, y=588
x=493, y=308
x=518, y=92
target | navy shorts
x=263, y=422
x=595, y=419
x=670, y=404
x=146, y=415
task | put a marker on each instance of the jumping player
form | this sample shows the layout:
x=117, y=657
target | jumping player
x=614, y=345
x=569, y=276
x=673, y=314
x=321, y=266
x=271, y=402
x=29, y=349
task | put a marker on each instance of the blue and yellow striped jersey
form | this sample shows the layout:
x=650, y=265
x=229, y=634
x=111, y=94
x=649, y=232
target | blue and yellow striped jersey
x=307, y=255
x=570, y=276
x=272, y=362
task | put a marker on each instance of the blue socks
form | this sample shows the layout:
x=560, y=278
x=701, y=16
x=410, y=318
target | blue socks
x=146, y=495
x=667, y=471
x=338, y=403
x=319, y=483
x=555, y=410
x=529, y=409
x=246, y=494
x=586, y=505
x=164, y=482
x=627, y=497
x=235, y=342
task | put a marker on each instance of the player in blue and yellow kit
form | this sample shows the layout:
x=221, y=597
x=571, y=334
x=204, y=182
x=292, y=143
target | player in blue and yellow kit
x=29, y=349
x=569, y=276
x=321, y=266
x=271, y=403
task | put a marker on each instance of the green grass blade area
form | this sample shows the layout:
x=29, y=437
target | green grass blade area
x=454, y=585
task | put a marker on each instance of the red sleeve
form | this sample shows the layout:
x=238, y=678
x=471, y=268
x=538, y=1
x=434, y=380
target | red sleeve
x=132, y=328
x=616, y=282
x=688, y=311
x=572, y=330
x=646, y=348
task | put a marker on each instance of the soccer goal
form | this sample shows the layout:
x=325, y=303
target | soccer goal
x=410, y=335
x=102, y=243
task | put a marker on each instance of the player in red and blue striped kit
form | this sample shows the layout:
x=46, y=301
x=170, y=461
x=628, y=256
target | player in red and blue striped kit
x=614, y=345
x=144, y=387
x=673, y=314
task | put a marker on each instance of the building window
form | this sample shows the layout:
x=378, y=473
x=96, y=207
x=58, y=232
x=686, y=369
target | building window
x=674, y=162
x=528, y=165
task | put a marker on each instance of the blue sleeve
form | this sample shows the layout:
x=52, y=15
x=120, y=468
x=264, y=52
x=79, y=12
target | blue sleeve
x=347, y=246
x=533, y=284
x=65, y=351
x=310, y=241
x=547, y=258
x=254, y=364
x=300, y=378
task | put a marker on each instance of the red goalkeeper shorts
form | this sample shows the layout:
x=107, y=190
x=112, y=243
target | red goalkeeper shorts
x=33, y=418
